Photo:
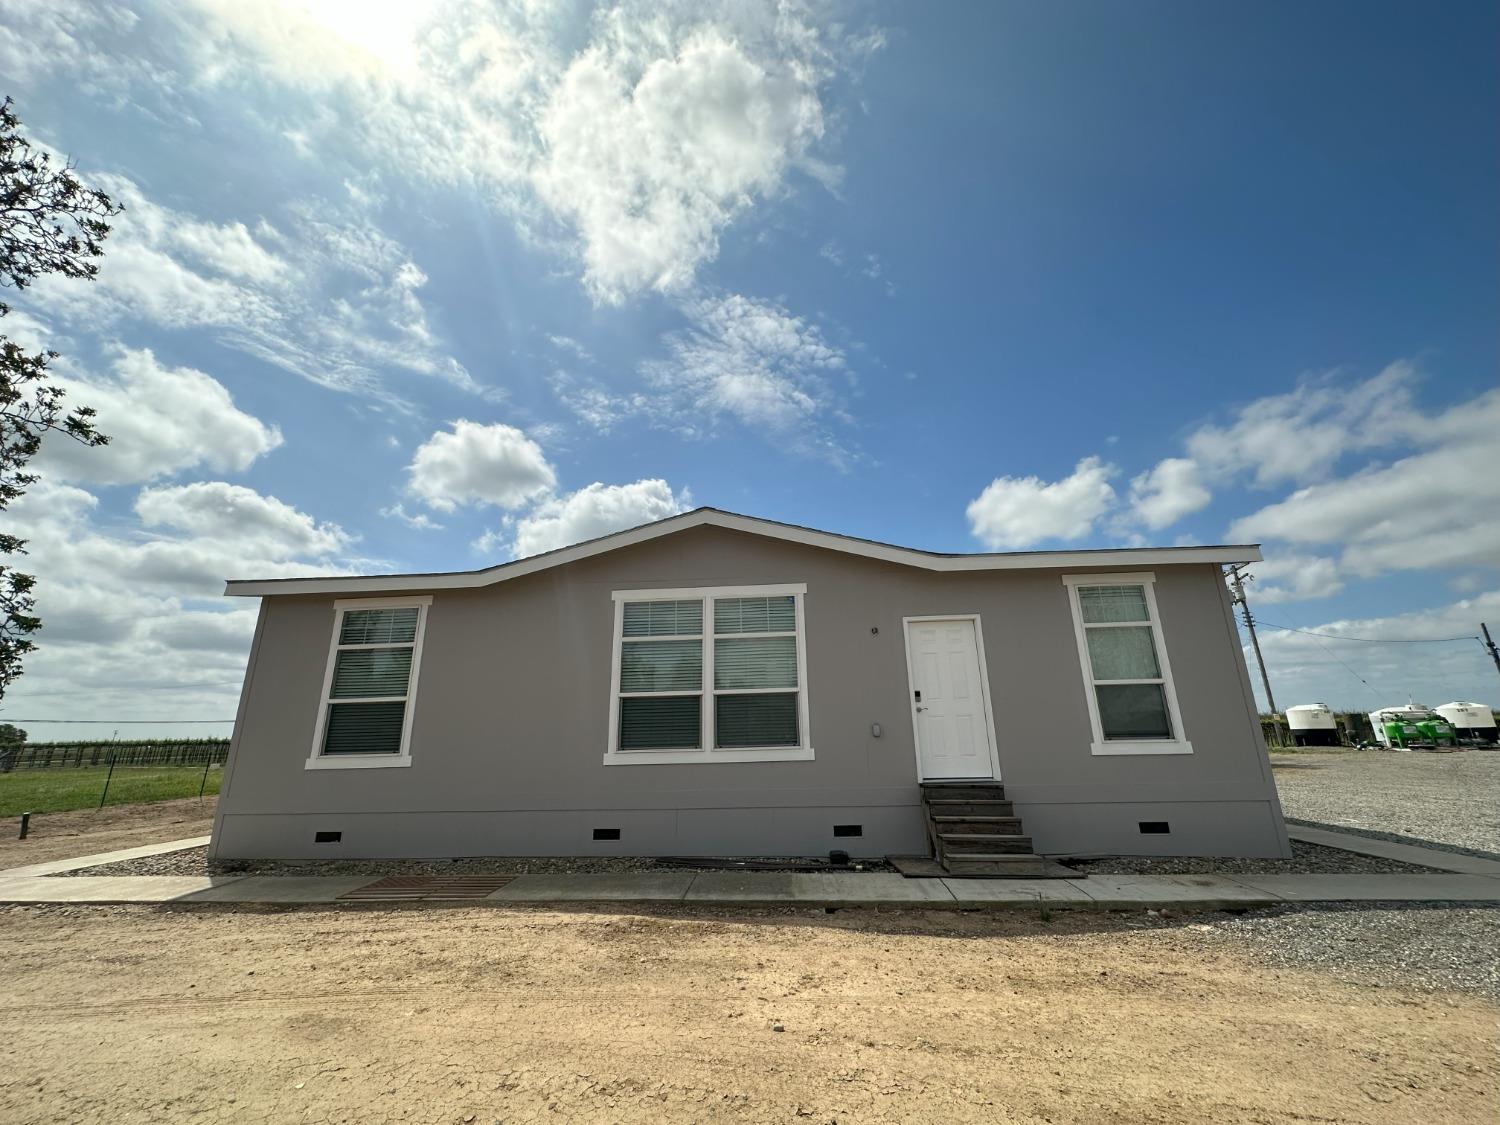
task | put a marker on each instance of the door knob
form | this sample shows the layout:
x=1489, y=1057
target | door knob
x=920, y=707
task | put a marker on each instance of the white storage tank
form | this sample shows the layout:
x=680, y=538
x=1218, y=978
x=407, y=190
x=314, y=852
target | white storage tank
x=1471, y=720
x=1312, y=724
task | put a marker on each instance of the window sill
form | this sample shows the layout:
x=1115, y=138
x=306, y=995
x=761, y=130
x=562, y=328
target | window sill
x=708, y=757
x=1108, y=749
x=358, y=762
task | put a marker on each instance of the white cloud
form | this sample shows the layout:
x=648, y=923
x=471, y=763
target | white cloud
x=1292, y=577
x=1013, y=513
x=479, y=464
x=633, y=134
x=1306, y=668
x=160, y=421
x=659, y=133
x=133, y=621
x=1163, y=495
x=754, y=362
x=589, y=513
x=262, y=526
x=1430, y=509
x=331, y=298
x=1299, y=436
x=418, y=521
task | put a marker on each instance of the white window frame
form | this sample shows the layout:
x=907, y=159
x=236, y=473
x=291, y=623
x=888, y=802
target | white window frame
x=1178, y=743
x=317, y=760
x=706, y=753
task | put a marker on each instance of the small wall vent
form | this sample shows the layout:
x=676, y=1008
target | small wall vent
x=327, y=837
x=848, y=829
x=606, y=833
x=1155, y=828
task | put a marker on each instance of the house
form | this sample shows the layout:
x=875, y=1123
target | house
x=713, y=684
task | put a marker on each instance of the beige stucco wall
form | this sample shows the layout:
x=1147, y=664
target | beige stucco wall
x=511, y=722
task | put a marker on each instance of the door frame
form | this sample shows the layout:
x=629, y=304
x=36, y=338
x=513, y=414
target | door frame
x=984, y=683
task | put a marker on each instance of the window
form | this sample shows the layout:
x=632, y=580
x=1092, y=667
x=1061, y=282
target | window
x=1132, y=704
x=709, y=675
x=370, y=684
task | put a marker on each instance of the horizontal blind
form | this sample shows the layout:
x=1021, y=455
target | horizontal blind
x=661, y=666
x=366, y=672
x=661, y=723
x=1128, y=653
x=1105, y=604
x=755, y=615
x=755, y=720
x=662, y=619
x=755, y=662
x=379, y=626
x=364, y=728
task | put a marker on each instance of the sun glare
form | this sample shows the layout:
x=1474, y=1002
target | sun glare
x=386, y=30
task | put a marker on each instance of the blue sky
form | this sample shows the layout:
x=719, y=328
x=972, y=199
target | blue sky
x=429, y=285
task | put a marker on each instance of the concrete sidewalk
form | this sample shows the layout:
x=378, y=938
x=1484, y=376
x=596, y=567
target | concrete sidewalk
x=1458, y=879
x=1098, y=892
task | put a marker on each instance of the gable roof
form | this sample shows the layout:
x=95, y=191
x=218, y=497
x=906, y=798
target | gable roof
x=770, y=529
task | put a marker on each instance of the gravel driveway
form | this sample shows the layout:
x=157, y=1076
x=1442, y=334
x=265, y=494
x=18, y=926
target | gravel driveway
x=1448, y=798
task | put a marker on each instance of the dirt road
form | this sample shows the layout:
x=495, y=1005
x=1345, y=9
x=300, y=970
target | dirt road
x=135, y=1014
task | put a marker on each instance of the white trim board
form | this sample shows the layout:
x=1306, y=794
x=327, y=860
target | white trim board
x=770, y=529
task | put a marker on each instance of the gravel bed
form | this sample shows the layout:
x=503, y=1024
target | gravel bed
x=1307, y=859
x=1406, y=945
x=194, y=861
x=1447, y=798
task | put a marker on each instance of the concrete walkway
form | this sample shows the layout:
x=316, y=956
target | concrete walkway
x=794, y=889
x=1458, y=878
x=1390, y=849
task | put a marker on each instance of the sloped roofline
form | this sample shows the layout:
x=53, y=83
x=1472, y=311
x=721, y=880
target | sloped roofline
x=770, y=529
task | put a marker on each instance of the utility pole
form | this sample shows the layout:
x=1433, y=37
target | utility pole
x=1489, y=644
x=1265, y=681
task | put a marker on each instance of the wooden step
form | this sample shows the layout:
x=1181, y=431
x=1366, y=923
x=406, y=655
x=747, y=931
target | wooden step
x=962, y=791
x=983, y=843
x=970, y=808
x=979, y=823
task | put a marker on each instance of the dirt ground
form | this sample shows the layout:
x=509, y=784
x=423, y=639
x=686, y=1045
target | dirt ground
x=135, y=1014
x=64, y=835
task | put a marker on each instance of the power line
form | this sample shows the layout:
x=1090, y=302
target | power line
x=1372, y=640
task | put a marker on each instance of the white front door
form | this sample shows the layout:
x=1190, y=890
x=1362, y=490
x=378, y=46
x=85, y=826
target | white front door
x=949, y=700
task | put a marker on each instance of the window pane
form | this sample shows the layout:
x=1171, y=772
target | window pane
x=664, y=723
x=663, y=619
x=755, y=615
x=1123, y=654
x=755, y=662
x=661, y=666
x=1113, y=603
x=371, y=671
x=755, y=720
x=379, y=626
x=1133, y=711
x=364, y=728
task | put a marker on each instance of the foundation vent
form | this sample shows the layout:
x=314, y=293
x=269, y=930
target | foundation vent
x=848, y=829
x=606, y=833
x=327, y=837
x=1155, y=828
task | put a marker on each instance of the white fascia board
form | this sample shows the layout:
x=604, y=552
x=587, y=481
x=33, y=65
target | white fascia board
x=883, y=552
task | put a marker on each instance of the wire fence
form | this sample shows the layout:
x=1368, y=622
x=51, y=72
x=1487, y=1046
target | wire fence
x=80, y=755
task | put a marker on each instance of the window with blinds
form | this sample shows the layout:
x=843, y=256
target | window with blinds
x=372, y=670
x=1124, y=661
x=717, y=672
